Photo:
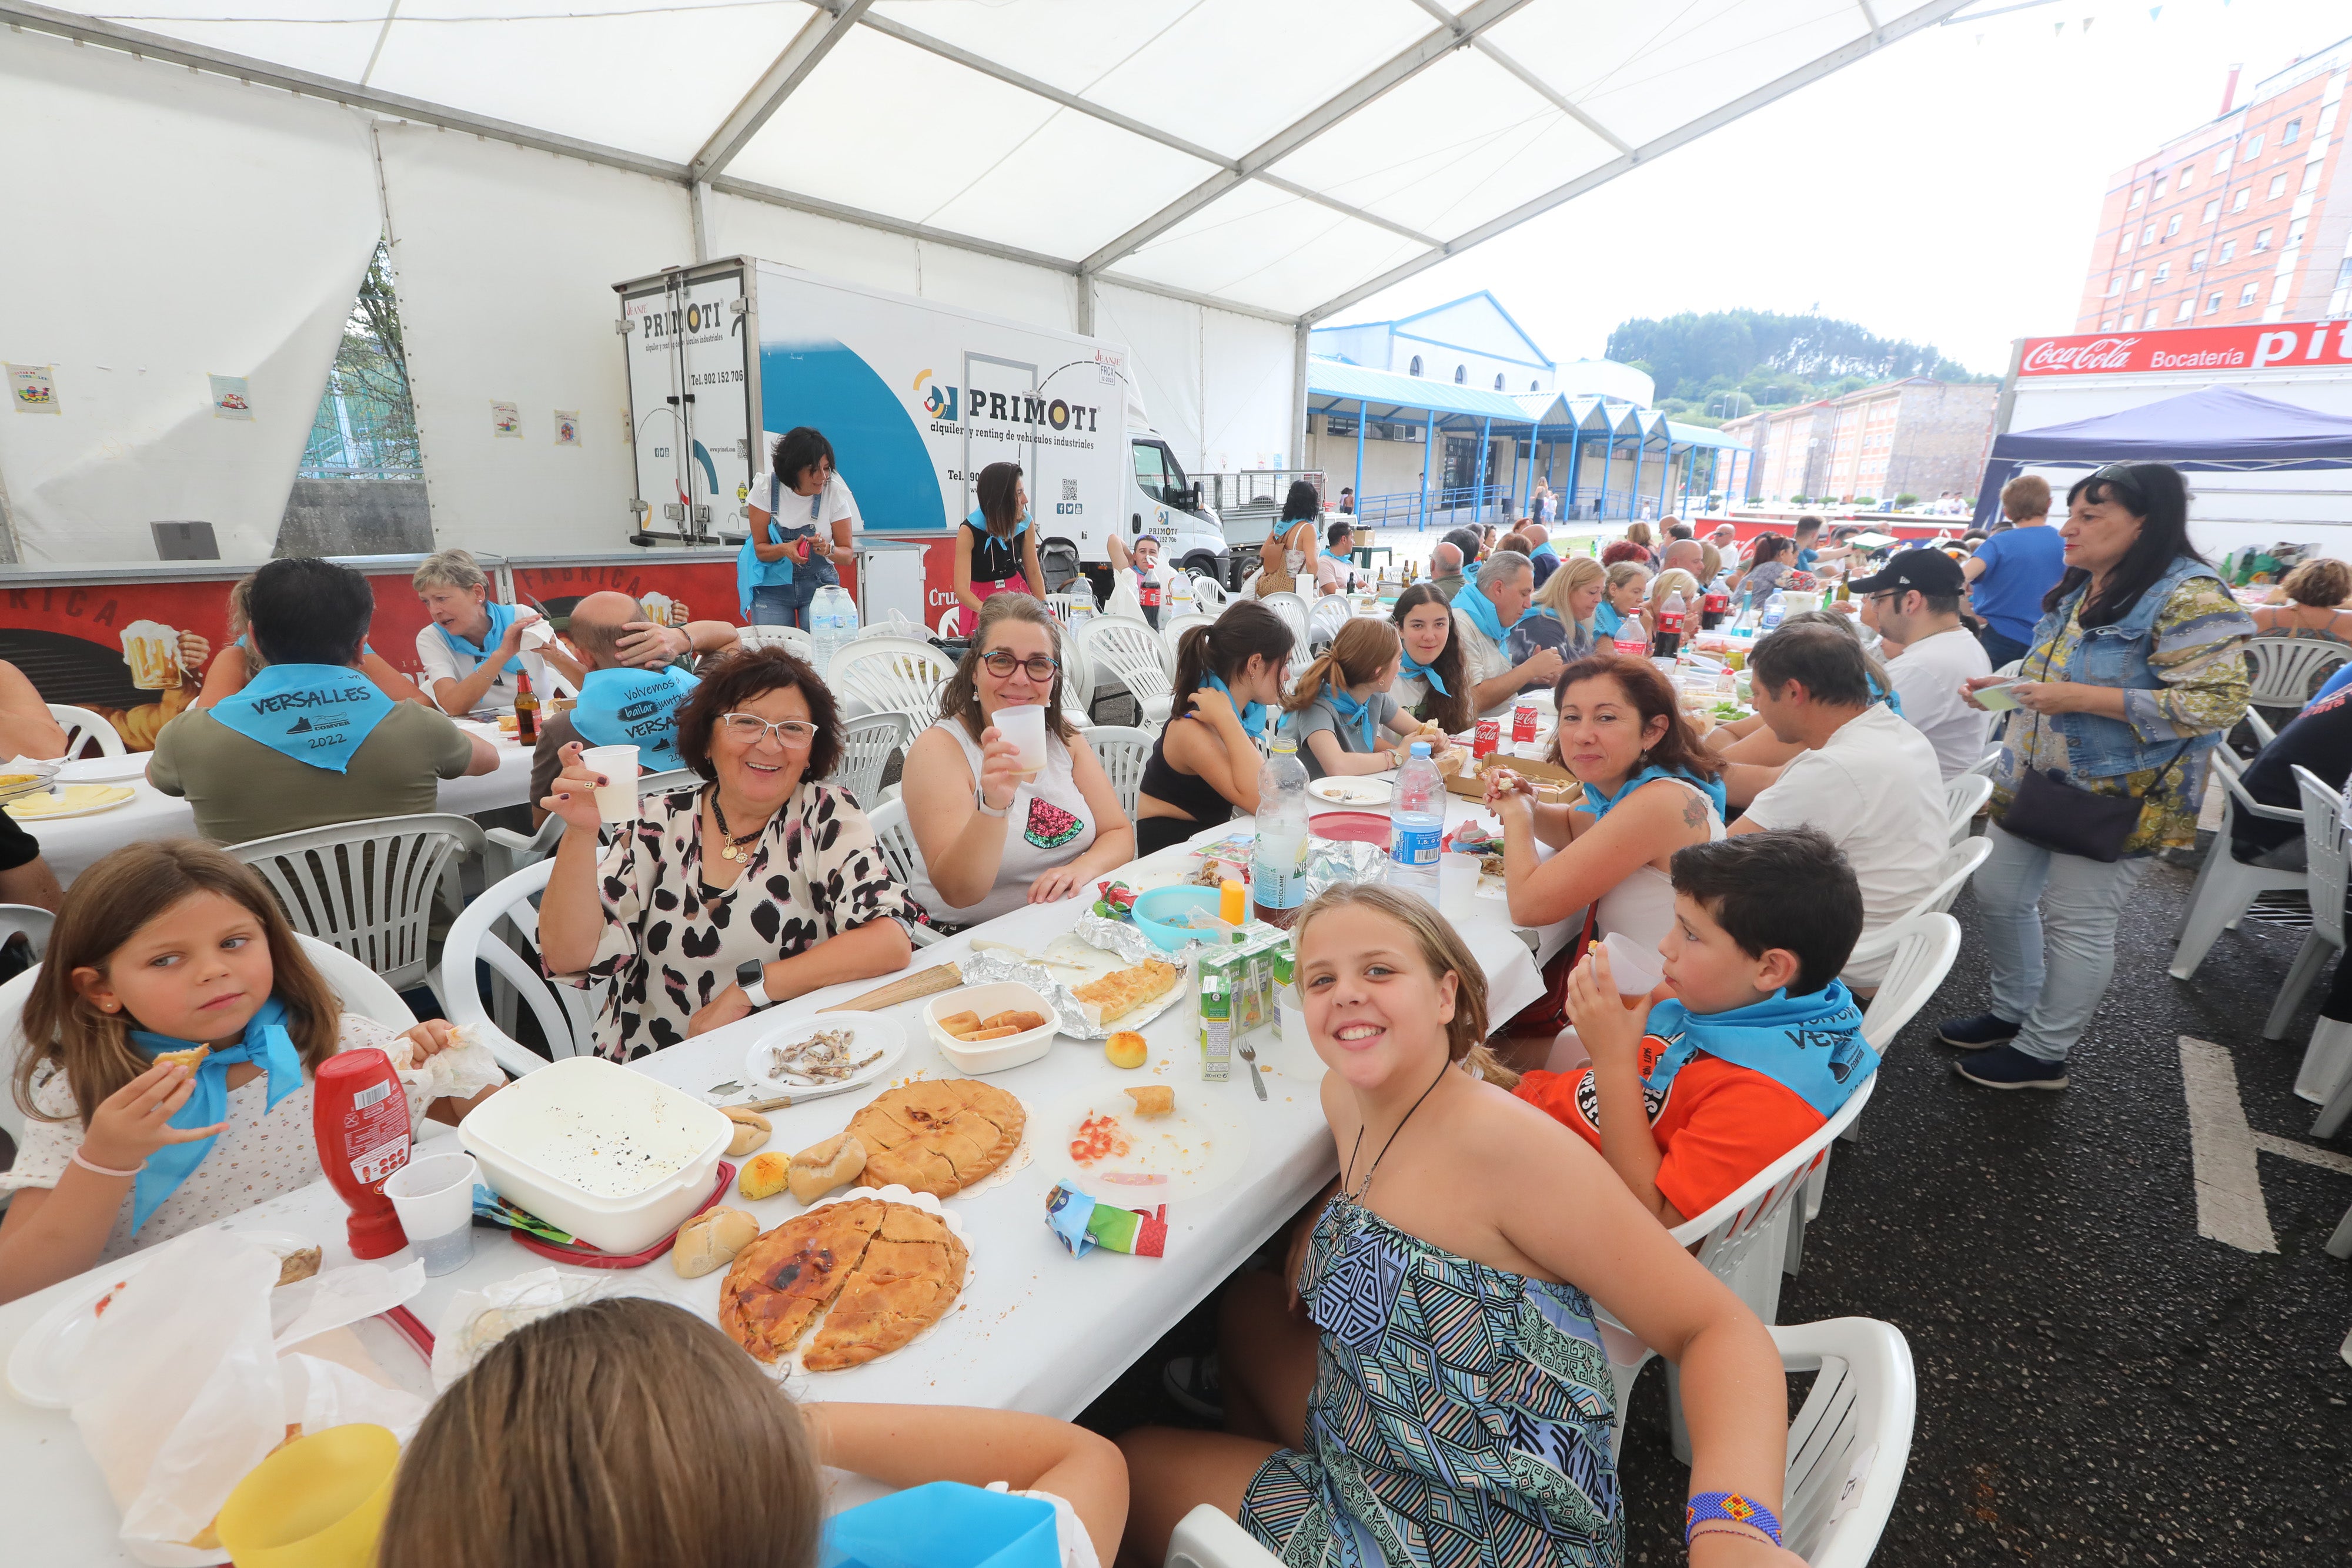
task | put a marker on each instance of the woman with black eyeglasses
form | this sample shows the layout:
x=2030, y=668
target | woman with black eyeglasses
x=992, y=839
x=714, y=902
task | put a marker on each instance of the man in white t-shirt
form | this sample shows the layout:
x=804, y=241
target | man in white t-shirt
x=1916, y=602
x=1866, y=779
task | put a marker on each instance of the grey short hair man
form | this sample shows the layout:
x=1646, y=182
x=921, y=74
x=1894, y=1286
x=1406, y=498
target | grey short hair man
x=1507, y=581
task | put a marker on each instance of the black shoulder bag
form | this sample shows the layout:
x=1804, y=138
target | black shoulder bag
x=2065, y=818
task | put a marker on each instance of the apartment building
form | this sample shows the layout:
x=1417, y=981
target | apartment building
x=1915, y=437
x=2246, y=218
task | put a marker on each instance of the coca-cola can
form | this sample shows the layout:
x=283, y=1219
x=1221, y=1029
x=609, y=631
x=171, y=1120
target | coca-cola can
x=1523, y=722
x=1490, y=737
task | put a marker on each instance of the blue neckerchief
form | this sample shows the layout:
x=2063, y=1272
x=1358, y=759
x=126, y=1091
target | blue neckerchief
x=315, y=714
x=1472, y=602
x=1251, y=715
x=1601, y=799
x=266, y=1044
x=1878, y=693
x=633, y=707
x=1428, y=672
x=501, y=617
x=1811, y=1045
x=1605, y=618
x=1342, y=559
x=943, y=1524
x=1353, y=710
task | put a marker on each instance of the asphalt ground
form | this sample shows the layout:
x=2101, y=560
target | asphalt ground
x=2099, y=1383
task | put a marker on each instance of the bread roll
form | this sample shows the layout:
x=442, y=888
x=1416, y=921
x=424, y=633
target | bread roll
x=818, y=1170
x=960, y=1024
x=764, y=1175
x=710, y=1240
x=751, y=1130
x=976, y=1036
x=1019, y=1022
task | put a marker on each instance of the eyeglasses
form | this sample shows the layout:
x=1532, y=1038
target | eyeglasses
x=1002, y=664
x=750, y=729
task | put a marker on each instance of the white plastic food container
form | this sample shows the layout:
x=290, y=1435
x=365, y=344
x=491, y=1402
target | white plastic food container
x=617, y=1158
x=994, y=1055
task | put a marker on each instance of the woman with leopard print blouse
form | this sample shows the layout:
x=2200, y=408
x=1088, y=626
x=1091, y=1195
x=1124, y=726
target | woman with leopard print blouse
x=765, y=862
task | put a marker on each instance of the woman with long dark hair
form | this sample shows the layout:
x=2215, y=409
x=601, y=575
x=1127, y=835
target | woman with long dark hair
x=2136, y=672
x=1290, y=544
x=996, y=550
x=1430, y=683
x=1228, y=688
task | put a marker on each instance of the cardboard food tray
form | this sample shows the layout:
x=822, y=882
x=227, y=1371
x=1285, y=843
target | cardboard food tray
x=1555, y=785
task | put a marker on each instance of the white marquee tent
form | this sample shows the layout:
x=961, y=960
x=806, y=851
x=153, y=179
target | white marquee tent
x=194, y=187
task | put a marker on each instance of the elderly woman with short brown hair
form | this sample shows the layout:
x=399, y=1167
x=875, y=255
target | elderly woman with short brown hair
x=764, y=878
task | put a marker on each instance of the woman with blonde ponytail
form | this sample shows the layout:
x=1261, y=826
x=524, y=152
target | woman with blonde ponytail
x=1341, y=705
x=1204, y=766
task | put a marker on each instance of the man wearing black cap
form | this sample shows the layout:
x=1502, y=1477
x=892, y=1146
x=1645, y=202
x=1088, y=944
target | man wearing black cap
x=1915, y=601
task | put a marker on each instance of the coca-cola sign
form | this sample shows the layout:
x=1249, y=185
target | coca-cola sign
x=2257, y=346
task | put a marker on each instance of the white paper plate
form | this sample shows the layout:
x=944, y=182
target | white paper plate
x=1363, y=790
x=37, y=1368
x=1199, y=1147
x=124, y=769
x=870, y=1032
x=789, y=1366
x=128, y=796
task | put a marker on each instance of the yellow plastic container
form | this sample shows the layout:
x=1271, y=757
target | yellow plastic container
x=317, y=1502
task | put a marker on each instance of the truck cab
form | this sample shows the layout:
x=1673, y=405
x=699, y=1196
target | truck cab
x=1159, y=500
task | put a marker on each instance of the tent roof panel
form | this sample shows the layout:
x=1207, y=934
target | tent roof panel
x=1072, y=186
x=1269, y=248
x=334, y=37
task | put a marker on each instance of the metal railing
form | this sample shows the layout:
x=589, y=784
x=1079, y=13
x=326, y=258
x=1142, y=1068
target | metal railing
x=1254, y=487
x=359, y=471
x=1438, y=509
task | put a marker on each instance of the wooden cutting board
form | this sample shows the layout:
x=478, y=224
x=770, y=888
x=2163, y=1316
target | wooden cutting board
x=910, y=988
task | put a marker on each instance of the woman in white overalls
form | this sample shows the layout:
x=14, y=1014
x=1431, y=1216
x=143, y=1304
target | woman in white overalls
x=802, y=513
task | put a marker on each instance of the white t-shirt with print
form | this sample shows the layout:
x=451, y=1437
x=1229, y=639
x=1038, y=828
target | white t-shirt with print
x=264, y=1152
x=1928, y=676
x=1875, y=790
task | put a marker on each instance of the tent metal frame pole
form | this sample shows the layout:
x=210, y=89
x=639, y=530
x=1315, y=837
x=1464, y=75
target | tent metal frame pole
x=1363, y=407
x=1633, y=491
x=1485, y=464
x=1607, y=458
x=1428, y=461
x=783, y=77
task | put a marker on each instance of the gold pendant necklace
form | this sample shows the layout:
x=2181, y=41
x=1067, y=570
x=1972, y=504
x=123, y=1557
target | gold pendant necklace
x=732, y=849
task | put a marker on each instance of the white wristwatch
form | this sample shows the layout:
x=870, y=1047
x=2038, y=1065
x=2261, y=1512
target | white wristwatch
x=980, y=803
x=752, y=975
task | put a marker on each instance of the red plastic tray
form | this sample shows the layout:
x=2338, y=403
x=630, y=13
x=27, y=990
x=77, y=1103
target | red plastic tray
x=1359, y=827
x=410, y=1327
x=581, y=1255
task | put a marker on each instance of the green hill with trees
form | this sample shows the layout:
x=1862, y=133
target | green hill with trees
x=1719, y=365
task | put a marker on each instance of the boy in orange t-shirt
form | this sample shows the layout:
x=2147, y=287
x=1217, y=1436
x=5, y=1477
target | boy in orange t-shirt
x=1750, y=1044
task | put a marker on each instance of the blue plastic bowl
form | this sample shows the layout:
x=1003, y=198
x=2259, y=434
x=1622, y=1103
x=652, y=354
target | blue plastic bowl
x=1153, y=910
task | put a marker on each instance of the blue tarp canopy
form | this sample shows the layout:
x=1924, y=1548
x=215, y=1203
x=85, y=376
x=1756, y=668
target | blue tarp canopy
x=2211, y=429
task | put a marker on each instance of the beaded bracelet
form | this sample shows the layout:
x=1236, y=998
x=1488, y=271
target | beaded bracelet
x=1732, y=1509
x=105, y=1170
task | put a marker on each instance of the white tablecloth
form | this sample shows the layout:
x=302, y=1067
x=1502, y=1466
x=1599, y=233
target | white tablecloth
x=72, y=843
x=1036, y=1330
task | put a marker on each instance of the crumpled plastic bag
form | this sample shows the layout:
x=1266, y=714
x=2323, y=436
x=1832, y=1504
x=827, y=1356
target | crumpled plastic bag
x=1125, y=600
x=188, y=1384
x=474, y=1320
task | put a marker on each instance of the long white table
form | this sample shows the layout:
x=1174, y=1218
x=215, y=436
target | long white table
x=71, y=844
x=1035, y=1329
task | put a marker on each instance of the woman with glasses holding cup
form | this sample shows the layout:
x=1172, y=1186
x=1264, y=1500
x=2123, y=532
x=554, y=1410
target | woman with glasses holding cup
x=1009, y=804
x=708, y=903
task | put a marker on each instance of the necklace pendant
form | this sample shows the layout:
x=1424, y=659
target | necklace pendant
x=728, y=854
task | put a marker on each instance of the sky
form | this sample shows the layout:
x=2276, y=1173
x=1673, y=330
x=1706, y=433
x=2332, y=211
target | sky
x=1944, y=189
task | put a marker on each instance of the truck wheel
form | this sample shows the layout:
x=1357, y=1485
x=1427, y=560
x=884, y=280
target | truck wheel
x=1207, y=565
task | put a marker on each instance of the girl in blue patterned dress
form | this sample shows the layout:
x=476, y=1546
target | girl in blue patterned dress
x=1430, y=1364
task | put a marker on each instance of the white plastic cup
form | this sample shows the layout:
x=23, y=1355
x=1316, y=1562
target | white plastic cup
x=435, y=1200
x=1636, y=969
x=1457, y=885
x=615, y=801
x=1025, y=728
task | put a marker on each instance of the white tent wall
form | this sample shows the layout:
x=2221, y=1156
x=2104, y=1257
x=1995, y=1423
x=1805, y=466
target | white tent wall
x=738, y=225
x=505, y=259
x=177, y=226
x=1163, y=337
x=1247, y=367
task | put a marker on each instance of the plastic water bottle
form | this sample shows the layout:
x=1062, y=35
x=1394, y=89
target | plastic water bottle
x=1277, y=872
x=1774, y=609
x=1416, y=821
x=832, y=621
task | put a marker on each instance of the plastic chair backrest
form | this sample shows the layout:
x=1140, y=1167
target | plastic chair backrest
x=1173, y=629
x=1208, y=1537
x=666, y=782
x=1983, y=766
x=83, y=729
x=566, y=1015
x=951, y=621
x=896, y=839
x=34, y=922
x=1122, y=751
x=894, y=625
x=1133, y=653
x=360, y=988
x=1064, y=605
x=2323, y=837
x=11, y=1046
x=892, y=674
x=1208, y=590
x=1850, y=1442
x=792, y=640
x=866, y=746
x=1329, y=613
x=367, y=887
x=1925, y=946
x=2284, y=671
x=1963, y=797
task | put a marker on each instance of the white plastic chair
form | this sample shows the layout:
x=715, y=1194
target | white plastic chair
x=1324, y=620
x=1293, y=612
x=84, y=727
x=11, y=1046
x=951, y=621
x=1077, y=683
x=2227, y=886
x=865, y=748
x=566, y=1015
x=1136, y=657
x=2323, y=837
x=892, y=674
x=1964, y=797
x=1064, y=605
x=36, y=923
x=1983, y=766
x=668, y=781
x=1961, y=862
x=1173, y=627
x=1208, y=592
x=896, y=839
x=894, y=625
x=792, y=640
x=2284, y=671
x=367, y=887
x=1209, y=1538
x=1851, y=1443
x=1122, y=751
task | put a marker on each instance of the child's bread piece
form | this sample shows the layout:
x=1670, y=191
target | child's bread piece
x=1015, y=1020
x=976, y=1036
x=835, y=1163
x=960, y=1024
x=189, y=1058
x=1154, y=1100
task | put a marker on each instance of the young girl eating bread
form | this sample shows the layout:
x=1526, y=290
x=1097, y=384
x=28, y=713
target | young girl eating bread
x=628, y=1431
x=171, y=1037
x=1341, y=1433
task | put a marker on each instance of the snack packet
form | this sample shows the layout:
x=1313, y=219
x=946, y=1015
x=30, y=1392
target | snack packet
x=1082, y=1223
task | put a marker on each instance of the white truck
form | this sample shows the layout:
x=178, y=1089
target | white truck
x=917, y=397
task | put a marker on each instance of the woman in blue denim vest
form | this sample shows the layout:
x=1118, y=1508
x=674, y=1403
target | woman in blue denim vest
x=2136, y=672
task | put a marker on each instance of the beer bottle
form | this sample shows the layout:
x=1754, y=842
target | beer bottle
x=526, y=711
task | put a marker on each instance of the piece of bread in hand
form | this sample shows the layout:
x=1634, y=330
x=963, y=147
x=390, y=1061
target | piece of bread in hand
x=190, y=1059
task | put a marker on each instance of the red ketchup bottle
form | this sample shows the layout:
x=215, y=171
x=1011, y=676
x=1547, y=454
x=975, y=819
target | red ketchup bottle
x=359, y=1118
